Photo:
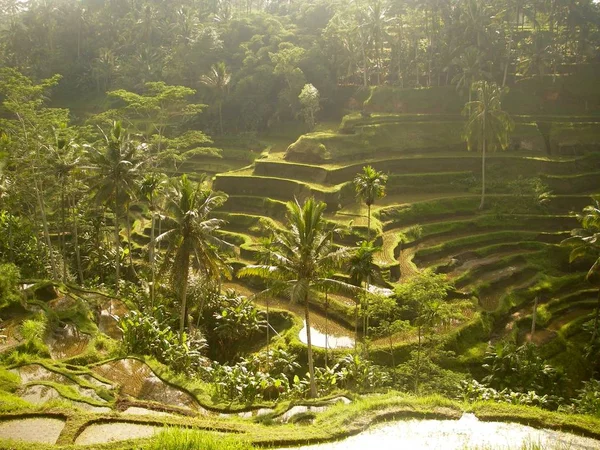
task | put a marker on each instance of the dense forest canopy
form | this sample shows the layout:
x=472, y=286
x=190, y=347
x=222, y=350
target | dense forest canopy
x=203, y=195
x=270, y=49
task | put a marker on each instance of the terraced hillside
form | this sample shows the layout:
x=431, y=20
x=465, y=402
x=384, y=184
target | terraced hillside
x=505, y=256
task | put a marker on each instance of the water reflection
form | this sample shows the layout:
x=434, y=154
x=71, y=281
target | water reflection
x=468, y=432
x=320, y=339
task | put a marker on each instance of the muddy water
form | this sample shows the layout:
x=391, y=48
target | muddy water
x=468, y=432
x=115, y=431
x=339, y=337
x=108, y=322
x=137, y=411
x=39, y=394
x=38, y=430
x=62, y=303
x=137, y=380
x=320, y=339
x=10, y=329
x=35, y=372
x=67, y=342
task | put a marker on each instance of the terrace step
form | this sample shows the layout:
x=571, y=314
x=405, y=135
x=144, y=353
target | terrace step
x=283, y=189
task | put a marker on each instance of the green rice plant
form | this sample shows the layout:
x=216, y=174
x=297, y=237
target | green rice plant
x=35, y=328
x=186, y=439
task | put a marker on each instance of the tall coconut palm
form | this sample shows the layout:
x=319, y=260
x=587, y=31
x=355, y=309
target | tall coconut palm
x=150, y=189
x=218, y=81
x=64, y=159
x=192, y=240
x=585, y=242
x=301, y=256
x=488, y=127
x=117, y=165
x=369, y=185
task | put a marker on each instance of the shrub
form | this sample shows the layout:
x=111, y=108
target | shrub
x=261, y=376
x=473, y=391
x=9, y=278
x=144, y=334
x=521, y=369
x=20, y=246
x=231, y=322
x=588, y=399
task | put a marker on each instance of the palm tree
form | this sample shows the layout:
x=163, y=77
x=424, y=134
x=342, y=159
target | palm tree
x=585, y=241
x=192, y=240
x=64, y=159
x=471, y=65
x=118, y=167
x=150, y=189
x=301, y=256
x=488, y=126
x=218, y=80
x=370, y=185
x=361, y=268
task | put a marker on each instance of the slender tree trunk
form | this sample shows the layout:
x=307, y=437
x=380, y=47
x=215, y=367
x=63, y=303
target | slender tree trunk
x=221, y=117
x=76, y=242
x=151, y=257
x=533, y=317
x=183, y=295
x=365, y=65
x=117, y=244
x=507, y=64
x=129, y=248
x=418, y=371
x=596, y=320
x=483, y=167
x=42, y=209
x=368, y=222
x=311, y=368
x=62, y=232
x=268, y=339
x=356, y=326
x=326, y=328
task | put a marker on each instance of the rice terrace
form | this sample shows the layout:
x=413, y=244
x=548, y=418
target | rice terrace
x=300, y=224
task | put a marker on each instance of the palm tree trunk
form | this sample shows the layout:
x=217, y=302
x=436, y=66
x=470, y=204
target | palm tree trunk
x=76, y=242
x=63, y=243
x=356, y=325
x=364, y=55
x=596, y=320
x=128, y=230
x=368, y=222
x=483, y=168
x=311, y=368
x=151, y=258
x=326, y=328
x=507, y=58
x=221, y=117
x=42, y=209
x=117, y=245
x=184, y=285
x=268, y=340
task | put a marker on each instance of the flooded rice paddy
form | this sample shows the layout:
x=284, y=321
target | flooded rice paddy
x=67, y=342
x=466, y=433
x=35, y=430
x=337, y=335
x=115, y=431
x=108, y=321
x=137, y=380
x=321, y=339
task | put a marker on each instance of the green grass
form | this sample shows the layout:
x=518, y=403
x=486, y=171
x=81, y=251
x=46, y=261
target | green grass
x=172, y=438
